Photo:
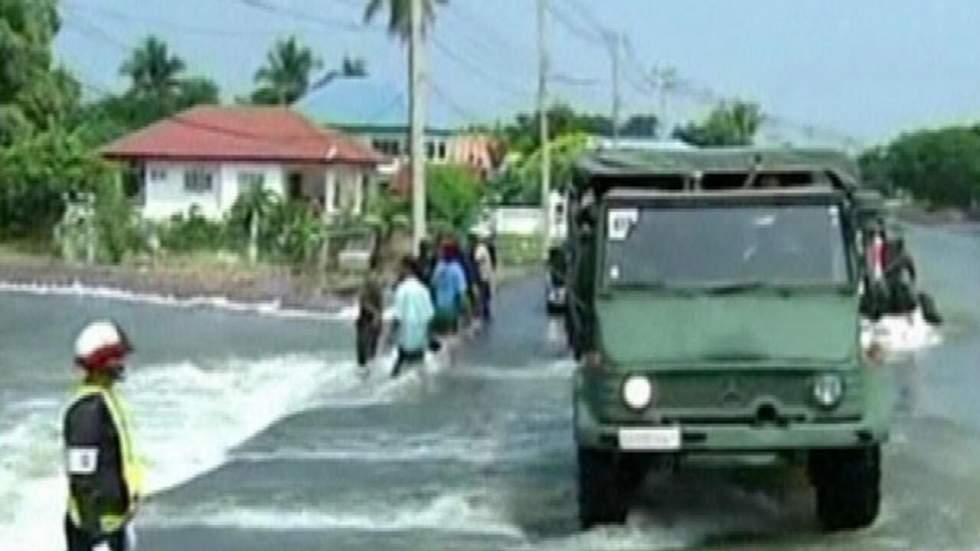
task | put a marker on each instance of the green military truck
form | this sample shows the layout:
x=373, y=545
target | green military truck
x=713, y=304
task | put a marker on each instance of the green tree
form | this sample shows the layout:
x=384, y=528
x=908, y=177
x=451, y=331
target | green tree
x=153, y=71
x=938, y=167
x=286, y=75
x=565, y=151
x=729, y=124
x=35, y=176
x=875, y=170
x=399, y=13
x=197, y=91
x=115, y=115
x=454, y=195
x=523, y=134
x=35, y=96
x=640, y=126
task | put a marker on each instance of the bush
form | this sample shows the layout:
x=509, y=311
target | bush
x=117, y=225
x=519, y=250
x=296, y=233
x=192, y=232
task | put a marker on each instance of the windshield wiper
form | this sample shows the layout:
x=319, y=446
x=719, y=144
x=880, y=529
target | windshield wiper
x=740, y=287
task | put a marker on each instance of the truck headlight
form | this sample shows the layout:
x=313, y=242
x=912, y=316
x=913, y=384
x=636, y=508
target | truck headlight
x=637, y=392
x=828, y=389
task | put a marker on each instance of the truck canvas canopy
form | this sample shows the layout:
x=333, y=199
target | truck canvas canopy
x=714, y=169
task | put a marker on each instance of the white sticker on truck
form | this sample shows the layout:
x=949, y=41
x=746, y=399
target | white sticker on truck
x=621, y=221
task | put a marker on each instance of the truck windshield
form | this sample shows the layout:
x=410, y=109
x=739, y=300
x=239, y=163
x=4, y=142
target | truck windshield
x=726, y=247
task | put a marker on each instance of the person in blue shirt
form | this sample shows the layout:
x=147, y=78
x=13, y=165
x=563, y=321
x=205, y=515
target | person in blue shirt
x=411, y=317
x=449, y=286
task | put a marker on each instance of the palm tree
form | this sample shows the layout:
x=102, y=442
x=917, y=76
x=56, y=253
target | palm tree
x=350, y=67
x=399, y=12
x=253, y=208
x=286, y=75
x=745, y=119
x=153, y=69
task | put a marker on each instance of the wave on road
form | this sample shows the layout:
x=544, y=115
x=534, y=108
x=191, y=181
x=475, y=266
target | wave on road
x=188, y=416
x=273, y=308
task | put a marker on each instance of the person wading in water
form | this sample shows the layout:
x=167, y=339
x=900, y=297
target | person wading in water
x=412, y=316
x=105, y=476
x=369, y=319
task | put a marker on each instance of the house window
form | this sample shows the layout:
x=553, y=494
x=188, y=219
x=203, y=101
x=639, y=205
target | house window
x=249, y=181
x=158, y=174
x=442, y=151
x=430, y=150
x=388, y=147
x=198, y=180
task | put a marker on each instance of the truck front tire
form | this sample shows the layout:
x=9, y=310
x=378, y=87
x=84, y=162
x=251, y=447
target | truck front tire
x=606, y=482
x=848, y=486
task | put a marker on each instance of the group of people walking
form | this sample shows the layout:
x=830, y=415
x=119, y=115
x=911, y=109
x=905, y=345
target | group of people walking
x=446, y=288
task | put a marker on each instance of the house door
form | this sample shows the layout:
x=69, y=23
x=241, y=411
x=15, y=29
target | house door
x=295, y=183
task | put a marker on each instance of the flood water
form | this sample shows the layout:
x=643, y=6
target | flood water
x=260, y=435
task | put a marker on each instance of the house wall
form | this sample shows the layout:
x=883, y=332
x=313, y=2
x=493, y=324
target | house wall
x=338, y=187
x=165, y=193
x=273, y=179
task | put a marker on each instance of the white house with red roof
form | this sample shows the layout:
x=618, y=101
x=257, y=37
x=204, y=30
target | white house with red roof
x=208, y=156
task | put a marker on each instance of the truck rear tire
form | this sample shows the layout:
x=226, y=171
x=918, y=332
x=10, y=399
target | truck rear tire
x=606, y=482
x=848, y=486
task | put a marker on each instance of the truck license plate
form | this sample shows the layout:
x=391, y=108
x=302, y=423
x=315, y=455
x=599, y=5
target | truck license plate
x=655, y=439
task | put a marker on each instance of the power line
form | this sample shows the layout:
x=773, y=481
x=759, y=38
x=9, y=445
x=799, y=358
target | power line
x=491, y=34
x=589, y=17
x=476, y=69
x=299, y=15
x=485, y=45
x=92, y=31
x=580, y=32
x=209, y=31
x=461, y=111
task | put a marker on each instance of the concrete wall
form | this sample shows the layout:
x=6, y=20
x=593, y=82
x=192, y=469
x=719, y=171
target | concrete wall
x=526, y=221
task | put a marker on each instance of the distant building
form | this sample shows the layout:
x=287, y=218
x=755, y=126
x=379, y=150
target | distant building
x=207, y=156
x=376, y=112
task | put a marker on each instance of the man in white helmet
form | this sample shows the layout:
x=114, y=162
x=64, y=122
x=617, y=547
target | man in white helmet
x=105, y=477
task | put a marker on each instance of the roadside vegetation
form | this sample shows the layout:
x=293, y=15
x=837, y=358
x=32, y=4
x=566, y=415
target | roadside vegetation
x=938, y=168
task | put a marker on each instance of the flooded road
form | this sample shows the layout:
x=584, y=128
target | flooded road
x=263, y=437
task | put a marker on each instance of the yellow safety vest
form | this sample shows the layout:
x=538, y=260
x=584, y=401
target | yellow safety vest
x=133, y=471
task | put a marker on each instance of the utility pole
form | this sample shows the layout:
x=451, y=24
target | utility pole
x=614, y=40
x=543, y=126
x=417, y=125
x=665, y=78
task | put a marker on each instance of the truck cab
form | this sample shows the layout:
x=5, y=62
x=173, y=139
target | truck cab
x=714, y=306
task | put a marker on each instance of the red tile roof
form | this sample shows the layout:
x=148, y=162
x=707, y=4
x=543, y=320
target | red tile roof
x=214, y=133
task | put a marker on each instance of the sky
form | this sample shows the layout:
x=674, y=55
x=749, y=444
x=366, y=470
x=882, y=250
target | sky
x=854, y=72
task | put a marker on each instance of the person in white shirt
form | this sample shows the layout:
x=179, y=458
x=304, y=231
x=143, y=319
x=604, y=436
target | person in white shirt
x=412, y=317
x=485, y=267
